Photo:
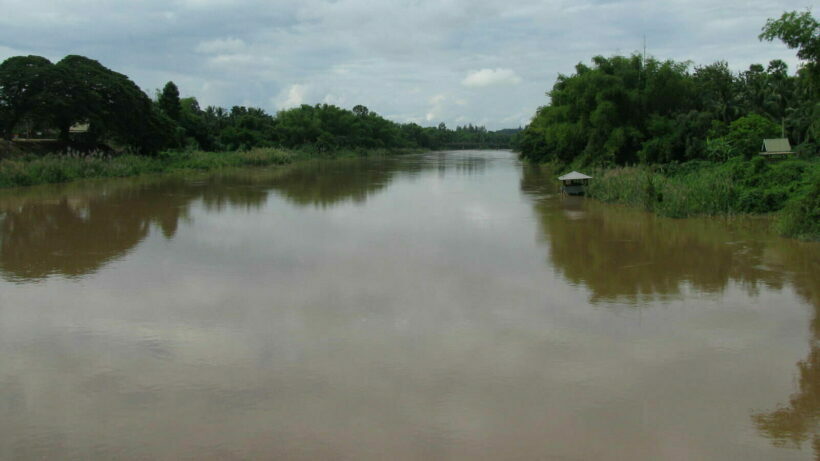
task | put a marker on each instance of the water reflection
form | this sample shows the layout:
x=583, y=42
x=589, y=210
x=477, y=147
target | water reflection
x=75, y=229
x=634, y=257
x=75, y=235
x=798, y=422
x=327, y=183
x=277, y=309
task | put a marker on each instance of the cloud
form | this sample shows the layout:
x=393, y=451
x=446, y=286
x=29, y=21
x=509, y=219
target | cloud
x=391, y=56
x=437, y=107
x=334, y=99
x=292, y=97
x=221, y=45
x=487, y=77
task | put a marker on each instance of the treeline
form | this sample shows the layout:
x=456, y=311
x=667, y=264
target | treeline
x=88, y=106
x=320, y=128
x=628, y=110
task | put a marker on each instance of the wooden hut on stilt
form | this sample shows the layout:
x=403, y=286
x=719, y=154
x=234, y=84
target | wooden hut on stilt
x=574, y=183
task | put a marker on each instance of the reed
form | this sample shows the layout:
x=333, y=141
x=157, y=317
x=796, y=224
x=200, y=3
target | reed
x=800, y=217
x=788, y=188
x=28, y=170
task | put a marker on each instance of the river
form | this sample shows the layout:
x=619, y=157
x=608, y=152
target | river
x=448, y=305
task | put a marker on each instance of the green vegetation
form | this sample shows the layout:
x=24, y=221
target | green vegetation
x=801, y=216
x=320, y=128
x=626, y=110
x=119, y=131
x=733, y=187
x=55, y=168
x=680, y=141
x=37, y=96
x=737, y=186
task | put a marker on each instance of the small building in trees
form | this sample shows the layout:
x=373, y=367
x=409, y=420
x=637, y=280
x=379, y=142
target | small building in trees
x=574, y=183
x=79, y=128
x=775, y=148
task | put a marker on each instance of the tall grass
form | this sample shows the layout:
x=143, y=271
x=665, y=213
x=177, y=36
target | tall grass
x=704, y=193
x=56, y=168
x=734, y=187
x=801, y=216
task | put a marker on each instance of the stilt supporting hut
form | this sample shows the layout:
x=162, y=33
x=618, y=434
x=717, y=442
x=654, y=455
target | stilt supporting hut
x=574, y=183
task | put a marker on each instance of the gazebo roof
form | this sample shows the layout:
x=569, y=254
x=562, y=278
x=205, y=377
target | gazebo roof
x=573, y=175
x=776, y=145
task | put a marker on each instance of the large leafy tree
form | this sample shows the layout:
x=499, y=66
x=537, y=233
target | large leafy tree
x=620, y=110
x=193, y=121
x=83, y=90
x=604, y=113
x=169, y=101
x=800, y=31
x=23, y=80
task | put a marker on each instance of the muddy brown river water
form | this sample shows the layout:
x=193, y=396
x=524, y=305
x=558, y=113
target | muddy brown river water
x=436, y=306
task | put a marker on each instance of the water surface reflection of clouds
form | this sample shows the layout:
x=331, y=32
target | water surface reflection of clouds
x=436, y=318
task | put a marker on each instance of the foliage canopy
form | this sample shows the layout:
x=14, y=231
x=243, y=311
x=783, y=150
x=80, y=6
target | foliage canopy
x=626, y=109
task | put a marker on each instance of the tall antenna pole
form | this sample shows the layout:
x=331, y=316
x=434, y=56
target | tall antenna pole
x=644, y=49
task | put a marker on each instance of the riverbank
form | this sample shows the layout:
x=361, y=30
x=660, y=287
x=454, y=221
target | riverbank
x=788, y=188
x=31, y=170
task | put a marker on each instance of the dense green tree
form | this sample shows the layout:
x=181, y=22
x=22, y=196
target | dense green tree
x=800, y=31
x=193, y=121
x=717, y=91
x=746, y=134
x=621, y=110
x=361, y=111
x=120, y=115
x=780, y=89
x=83, y=90
x=23, y=81
x=168, y=101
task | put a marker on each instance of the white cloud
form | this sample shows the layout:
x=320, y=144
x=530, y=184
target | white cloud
x=402, y=53
x=229, y=60
x=487, y=77
x=334, y=99
x=221, y=46
x=437, y=103
x=206, y=4
x=292, y=97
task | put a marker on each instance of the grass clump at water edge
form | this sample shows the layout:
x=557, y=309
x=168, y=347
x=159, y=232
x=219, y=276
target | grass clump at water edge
x=57, y=168
x=789, y=188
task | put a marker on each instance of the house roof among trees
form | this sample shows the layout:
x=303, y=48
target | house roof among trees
x=776, y=146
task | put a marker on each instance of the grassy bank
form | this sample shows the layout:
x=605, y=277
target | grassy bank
x=789, y=188
x=56, y=168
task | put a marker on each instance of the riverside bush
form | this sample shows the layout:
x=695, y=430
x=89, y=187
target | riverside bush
x=54, y=168
x=734, y=187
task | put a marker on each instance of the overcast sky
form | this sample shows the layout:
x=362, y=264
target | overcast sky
x=486, y=62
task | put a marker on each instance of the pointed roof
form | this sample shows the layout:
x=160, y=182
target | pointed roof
x=777, y=145
x=79, y=128
x=573, y=175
